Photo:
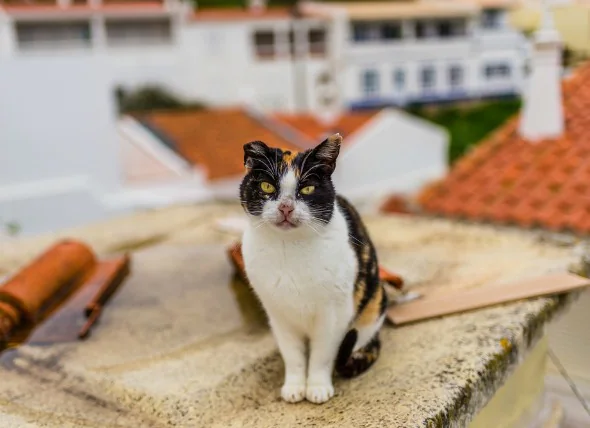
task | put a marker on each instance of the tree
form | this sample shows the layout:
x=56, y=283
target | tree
x=149, y=98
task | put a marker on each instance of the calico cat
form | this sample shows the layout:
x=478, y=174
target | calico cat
x=313, y=266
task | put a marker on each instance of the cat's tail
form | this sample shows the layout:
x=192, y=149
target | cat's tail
x=350, y=364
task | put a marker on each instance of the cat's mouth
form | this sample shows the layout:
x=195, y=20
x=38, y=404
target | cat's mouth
x=286, y=224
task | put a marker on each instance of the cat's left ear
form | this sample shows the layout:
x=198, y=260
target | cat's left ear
x=327, y=151
x=252, y=151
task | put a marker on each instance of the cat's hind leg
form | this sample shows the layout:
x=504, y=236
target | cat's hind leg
x=359, y=350
x=361, y=346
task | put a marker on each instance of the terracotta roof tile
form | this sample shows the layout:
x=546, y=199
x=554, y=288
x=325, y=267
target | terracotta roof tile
x=309, y=125
x=55, y=8
x=509, y=180
x=213, y=139
x=241, y=14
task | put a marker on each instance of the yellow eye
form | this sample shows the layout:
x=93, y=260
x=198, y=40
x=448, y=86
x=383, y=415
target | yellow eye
x=267, y=187
x=308, y=190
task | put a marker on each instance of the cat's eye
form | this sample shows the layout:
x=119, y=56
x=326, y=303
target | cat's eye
x=307, y=190
x=267, y=187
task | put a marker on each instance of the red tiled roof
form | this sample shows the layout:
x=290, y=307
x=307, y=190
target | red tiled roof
x=214, y=139
x=307, y=124
x=109, y=5
x=396, y=204
x=241, y=14
x=506, y=179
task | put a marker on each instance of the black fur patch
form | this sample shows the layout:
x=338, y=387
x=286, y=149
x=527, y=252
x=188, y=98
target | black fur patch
x=367, y=281
x=314, y=167
x=361, y=360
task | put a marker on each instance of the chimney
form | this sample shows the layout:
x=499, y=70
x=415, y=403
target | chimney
x=542, y=113
x=257, y=6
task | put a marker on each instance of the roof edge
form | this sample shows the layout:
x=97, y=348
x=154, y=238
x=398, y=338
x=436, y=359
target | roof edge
x=286, y=132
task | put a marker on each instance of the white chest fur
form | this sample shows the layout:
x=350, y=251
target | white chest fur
x=301, y=273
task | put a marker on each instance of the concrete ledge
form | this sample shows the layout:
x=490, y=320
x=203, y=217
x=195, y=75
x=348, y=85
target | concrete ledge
x=185, y=343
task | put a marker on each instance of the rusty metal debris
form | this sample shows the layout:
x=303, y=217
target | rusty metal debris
x=59, y=295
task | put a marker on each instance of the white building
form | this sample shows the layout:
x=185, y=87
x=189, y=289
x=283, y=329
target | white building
x=425, y=50
x=328, y=57
x=60, y=145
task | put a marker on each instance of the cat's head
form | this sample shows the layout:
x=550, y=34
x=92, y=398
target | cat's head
x=287, y=191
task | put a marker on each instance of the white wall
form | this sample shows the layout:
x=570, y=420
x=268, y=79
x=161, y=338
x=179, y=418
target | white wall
x=221, y=68
x=471, y=52
x=58, y=142
x=394, y=153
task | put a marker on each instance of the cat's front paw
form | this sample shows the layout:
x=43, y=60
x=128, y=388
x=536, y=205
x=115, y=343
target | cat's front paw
x=293, y=392
x=319, y=393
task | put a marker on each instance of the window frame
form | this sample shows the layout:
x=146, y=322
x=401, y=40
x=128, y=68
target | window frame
x=366, y=74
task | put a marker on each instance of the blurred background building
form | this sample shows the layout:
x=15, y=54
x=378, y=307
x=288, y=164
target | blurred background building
x=83, y=134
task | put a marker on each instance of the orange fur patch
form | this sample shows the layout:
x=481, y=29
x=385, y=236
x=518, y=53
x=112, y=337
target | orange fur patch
x=371, y=312
x=289, y=156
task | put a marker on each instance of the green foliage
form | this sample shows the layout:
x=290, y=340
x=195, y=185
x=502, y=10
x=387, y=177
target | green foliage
x=468, y=125
x=13, y=228
x=149, y=98
x=204, y=4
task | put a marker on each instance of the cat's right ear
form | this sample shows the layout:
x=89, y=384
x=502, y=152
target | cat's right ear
x=252, y=151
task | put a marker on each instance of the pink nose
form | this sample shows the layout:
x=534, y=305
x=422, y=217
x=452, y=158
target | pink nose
x=286, y=209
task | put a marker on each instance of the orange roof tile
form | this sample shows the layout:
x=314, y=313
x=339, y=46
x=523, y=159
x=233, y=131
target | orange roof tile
x=109, y=5
x=309, y=125
x=509, y=180
x=241, y=14
x=214, y=139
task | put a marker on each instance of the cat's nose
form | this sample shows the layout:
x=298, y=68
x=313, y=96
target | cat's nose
x=286, y=208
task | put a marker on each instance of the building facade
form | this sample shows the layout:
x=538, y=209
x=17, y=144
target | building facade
x=321, y=57
x=428, y=51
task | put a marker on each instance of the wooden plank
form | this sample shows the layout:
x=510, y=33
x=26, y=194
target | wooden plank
x=464, y=300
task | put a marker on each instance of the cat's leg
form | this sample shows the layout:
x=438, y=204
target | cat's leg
x=330, y=327
x=293, y=352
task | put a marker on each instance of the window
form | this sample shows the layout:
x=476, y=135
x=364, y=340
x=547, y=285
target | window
x=264, y=43
x=366, y=31
x=292, y=43
x=126, y=32
x=427, y=77
x=444, y=29
x=391, y=31
x=422, y=29
x=491, y=18
x=361, y=31
x=370, y=83
x=497, y=71
x=317, y=41
x=32, y=35
x=459, y=27
x=455, y=76
x=399, y=80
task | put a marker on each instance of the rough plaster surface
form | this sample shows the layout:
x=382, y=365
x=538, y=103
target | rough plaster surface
x=185, y=344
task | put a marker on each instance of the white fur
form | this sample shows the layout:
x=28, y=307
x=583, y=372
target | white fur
x=304, y=277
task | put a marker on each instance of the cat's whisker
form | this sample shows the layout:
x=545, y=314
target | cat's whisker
x=276, y=172
x=305, y=159
x=266, y=171
x=312, y=228
x=269, y=166
x=307, y=173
